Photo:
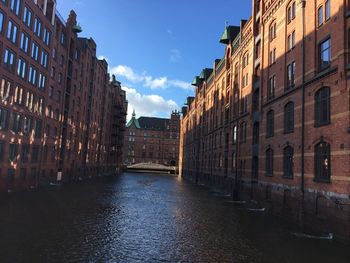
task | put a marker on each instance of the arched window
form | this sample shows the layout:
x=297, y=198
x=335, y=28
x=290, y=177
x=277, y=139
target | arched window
x=270, y=123
x=322, y=106
x=289, y=117
x=323, y=162
x=288, y=156
x=269, y=162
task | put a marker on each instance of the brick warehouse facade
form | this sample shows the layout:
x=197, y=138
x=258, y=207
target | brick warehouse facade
x=152, y=140
x=61, y=118
x=271, y=120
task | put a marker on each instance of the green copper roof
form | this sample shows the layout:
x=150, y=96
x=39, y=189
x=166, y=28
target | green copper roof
x=196, y=81
x=77, y=28
x=229, y=34
x=205, y=73
x=134, y=121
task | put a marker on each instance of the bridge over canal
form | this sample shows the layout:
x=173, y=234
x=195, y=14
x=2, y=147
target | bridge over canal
x=152, y=167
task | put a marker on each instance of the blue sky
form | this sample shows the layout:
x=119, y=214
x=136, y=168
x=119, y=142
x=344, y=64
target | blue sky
x=156, y=47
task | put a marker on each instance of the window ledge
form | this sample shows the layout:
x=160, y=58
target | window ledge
x=288, y=177
x=321, y=180
x=317, y=125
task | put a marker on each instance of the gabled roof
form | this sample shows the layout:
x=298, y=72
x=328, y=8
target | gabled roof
x=133, y=121
x=230, y=33
x=153, y=123
x=148, y=123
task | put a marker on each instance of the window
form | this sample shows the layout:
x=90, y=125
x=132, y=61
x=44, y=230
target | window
x=269, y=162
x=9, y=60
x=42, y=81
x=13, y=152
x=12, y=32
x=291, y=41
x=2, y=145
x=25, y=153
x=288, y=161
x=245, y=60
x=44, y=58
x=47, y=36
x=272, y=86
x=273, y=56
x=294, y=10
x=320, y=15
x=16, y=122
x=273, y=31
x=32, y=75
x=27, y=17
x=63, y=38
x=322, y=106
x=35, y=51
x=24, y=42
x=243, y=132
x=325, y=54
x=15, y=6
x=5, y=89
x=328, y=10
x=27, y=121
x=234, y=135
x=37, y=27
x=244, y=104
x=21, y=68
x=38, y=128
x=289, y=117
x=290, y=75
x=270, y=123
x=323, y=162
x=2, y=19
x=3, y=119
x=291, y=12
x=18, y=97
x=35, y=154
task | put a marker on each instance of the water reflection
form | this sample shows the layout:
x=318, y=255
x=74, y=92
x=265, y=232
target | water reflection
x=146, y=218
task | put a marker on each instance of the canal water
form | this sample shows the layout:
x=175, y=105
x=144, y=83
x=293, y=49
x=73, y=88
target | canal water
x=147, y=218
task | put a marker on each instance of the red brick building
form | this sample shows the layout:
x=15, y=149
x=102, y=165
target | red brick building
x=60, y=116
x=270, y=121
x=152, y=140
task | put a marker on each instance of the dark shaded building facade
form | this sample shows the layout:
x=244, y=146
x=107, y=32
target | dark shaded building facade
x=61, y=118
x=152, y=140
x=270, y=120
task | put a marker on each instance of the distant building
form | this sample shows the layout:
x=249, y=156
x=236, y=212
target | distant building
x=150, y=139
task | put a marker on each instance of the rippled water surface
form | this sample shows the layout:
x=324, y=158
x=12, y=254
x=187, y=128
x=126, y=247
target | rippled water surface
x=147, y=218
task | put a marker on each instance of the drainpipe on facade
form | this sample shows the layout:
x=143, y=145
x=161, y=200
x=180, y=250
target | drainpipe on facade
x=301, y=212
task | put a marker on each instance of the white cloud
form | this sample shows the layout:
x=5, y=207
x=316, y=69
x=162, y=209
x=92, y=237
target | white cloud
x=148, y=105
x=155, y=83
x=147, y=80
x=181, y=84
x=126, y=72
x=175, y=55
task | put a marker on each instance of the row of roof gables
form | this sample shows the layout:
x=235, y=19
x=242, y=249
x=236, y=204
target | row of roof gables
x=230, y=36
